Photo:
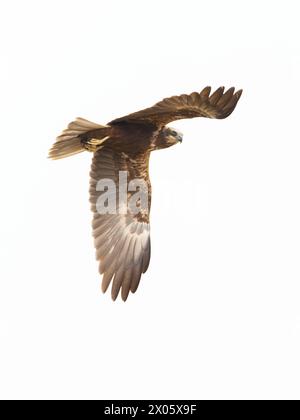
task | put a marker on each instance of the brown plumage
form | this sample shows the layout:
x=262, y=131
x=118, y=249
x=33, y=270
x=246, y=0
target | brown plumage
x=123, y=146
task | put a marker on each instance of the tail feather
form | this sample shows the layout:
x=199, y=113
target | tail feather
x=70, y=141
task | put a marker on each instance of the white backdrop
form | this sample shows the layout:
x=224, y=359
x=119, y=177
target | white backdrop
x=217, y=315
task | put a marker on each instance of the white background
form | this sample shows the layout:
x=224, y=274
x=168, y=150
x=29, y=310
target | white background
x=217, y=315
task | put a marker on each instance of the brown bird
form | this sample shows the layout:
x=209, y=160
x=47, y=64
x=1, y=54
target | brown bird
x=120, y=189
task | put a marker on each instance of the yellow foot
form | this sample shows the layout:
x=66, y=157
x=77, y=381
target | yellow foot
x=92, y=145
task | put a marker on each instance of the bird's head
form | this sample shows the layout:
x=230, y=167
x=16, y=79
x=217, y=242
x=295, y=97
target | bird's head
x=167, y=137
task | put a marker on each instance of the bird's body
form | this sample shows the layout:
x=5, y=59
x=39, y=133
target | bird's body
x=126, y=137
x=120, y=189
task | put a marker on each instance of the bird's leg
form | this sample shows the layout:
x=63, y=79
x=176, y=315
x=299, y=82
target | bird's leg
x=92, y=144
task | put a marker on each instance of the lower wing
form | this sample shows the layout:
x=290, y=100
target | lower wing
x=121, y=226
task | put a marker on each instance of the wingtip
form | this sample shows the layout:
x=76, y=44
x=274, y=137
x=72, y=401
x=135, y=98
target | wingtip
x=104, y=288
x=205, y=92
x=238, y=94
x=230, y=90
x=114, y=297
x=124, y=298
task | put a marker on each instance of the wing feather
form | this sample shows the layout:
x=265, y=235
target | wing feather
x=216, y=105
x=136, y=277
x=122, y=241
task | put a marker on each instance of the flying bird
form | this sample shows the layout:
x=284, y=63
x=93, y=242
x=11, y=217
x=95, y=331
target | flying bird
x=121, y=151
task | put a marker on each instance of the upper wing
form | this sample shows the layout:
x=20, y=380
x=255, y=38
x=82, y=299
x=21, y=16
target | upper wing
x=217, y=105
x=122, y=236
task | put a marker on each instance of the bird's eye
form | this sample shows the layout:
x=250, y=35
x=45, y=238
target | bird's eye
x=173, y=133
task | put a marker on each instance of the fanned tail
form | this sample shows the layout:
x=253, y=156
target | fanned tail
x=70, y=142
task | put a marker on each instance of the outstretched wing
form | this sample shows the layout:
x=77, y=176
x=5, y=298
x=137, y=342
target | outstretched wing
x=218, y=105
x=122, y=235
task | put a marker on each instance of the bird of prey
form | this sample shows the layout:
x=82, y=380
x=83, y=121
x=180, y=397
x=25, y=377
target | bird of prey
x=121, y=151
